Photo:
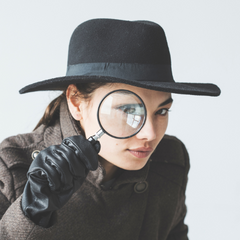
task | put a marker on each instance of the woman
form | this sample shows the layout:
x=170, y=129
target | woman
x=131, y=188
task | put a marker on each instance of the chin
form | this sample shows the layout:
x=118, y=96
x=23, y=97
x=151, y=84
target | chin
x=134, y=165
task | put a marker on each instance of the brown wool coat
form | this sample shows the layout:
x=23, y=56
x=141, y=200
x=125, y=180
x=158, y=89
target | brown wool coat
x=126, y=211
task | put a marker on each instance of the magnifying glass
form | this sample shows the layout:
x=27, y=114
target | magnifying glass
x=121, y=114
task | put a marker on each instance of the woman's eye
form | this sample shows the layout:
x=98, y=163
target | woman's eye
x=129, y=110
x=163, y=111
x=132, y=109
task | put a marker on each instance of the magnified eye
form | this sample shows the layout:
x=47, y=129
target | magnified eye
x=135, y=109
x=129, y=110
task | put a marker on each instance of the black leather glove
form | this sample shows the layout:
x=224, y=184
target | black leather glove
x=55, y=174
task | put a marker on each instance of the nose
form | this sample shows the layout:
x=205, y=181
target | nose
x=148, y=132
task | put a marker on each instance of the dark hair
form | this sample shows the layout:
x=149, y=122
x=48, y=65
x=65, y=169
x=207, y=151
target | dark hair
x=51, y=113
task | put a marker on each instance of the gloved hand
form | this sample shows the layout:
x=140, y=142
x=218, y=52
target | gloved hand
x=55, y=174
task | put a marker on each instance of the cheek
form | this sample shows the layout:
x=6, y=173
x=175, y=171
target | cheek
x=112, y=150
x=161, y=127
x=109, y=146
x=90, y=123
x=165, y=124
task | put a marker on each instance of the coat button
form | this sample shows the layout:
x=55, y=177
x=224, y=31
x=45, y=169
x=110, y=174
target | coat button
x=35, y=153
x=140, y=187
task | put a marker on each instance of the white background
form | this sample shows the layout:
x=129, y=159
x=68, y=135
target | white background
x=204, y=42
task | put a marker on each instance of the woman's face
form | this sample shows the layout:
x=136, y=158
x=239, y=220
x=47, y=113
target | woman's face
x=131, y=153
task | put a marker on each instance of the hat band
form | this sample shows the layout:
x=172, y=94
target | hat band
x=128, y=71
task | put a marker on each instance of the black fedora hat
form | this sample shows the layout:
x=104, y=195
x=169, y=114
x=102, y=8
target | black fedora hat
x=131, y=52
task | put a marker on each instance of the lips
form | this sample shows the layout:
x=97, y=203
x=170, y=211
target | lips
x=141, y=152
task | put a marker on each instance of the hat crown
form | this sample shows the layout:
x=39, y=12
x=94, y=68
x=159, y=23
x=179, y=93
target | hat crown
x=118, y=41
x=130, y=52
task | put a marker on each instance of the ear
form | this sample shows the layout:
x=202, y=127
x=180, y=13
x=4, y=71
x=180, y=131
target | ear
x=74, y=101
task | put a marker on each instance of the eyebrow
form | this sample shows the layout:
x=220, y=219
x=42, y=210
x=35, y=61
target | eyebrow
x=169, y=100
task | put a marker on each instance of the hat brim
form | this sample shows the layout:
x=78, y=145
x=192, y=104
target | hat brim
x=61, y=83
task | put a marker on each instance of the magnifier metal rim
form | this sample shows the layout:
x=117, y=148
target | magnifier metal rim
x=118, y=90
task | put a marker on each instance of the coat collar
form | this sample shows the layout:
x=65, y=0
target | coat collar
x=66, y=127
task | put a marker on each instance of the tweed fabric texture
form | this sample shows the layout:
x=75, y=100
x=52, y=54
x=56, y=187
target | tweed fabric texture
x=92, y=212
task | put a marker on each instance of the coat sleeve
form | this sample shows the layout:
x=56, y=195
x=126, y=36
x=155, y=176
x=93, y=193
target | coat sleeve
x=14, y=164
x=180, y=231
x=15, y=159
x=13, y=223
x=6, y=194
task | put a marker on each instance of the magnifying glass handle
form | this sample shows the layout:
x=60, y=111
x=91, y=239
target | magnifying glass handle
x=93, y=139
x=97, y=135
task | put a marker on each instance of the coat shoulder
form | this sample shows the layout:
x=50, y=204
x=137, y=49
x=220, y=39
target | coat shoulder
x=171, y=150
x=17, y=149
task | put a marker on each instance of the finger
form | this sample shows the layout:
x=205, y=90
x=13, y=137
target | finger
x=70, y=161
x=42, y=169
x=84, y=149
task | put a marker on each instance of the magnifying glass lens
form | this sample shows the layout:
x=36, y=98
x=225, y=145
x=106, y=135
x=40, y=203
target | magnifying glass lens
x=121, y=114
